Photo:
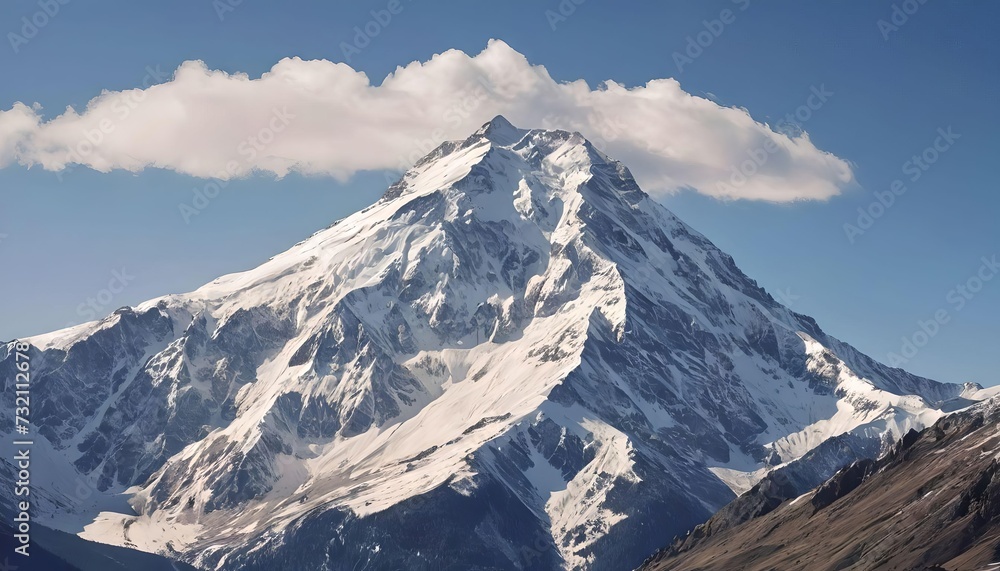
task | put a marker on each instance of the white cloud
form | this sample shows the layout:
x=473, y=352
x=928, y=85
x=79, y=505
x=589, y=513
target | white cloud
x=324, y=118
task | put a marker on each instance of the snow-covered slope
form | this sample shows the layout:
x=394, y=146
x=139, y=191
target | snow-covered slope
x=515, y=360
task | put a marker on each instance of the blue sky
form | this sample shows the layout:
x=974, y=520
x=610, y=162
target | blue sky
x=67, y=237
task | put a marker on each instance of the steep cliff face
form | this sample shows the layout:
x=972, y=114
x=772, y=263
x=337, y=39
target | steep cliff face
x=516, y=359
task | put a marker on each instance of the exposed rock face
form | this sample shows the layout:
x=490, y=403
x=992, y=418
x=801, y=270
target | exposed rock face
x=931, y=503
x=515, y=346
x=843, y=483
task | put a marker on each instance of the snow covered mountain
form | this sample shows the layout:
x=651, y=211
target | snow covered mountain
x=516, y=359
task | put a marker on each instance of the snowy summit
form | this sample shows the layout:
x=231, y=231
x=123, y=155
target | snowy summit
x=516, y=359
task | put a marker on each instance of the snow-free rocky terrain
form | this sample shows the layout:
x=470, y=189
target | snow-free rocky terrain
x=516, y=359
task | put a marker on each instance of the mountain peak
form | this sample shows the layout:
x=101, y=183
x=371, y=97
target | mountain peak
x=516, y=335
x=500, y=131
